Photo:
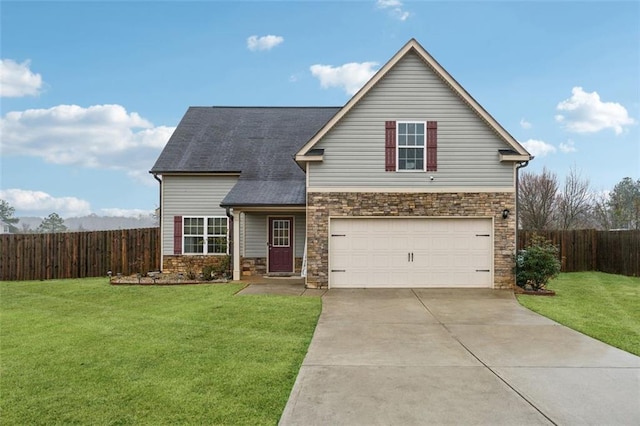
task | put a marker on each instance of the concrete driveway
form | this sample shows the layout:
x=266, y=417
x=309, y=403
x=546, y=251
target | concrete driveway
x=432, y=356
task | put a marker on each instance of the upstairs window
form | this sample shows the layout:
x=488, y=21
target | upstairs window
x=205, y=235
x=411, y=145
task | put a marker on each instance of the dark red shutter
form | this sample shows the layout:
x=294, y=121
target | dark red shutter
x=390, y=146
x=432, y=146
x=177, y=235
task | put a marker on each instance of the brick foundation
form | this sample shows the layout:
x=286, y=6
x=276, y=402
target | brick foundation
x=321, y=206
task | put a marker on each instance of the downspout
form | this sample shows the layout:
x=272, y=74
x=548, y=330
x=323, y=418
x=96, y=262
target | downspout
x=231, y=242
x=519, y=166
x=155, y=176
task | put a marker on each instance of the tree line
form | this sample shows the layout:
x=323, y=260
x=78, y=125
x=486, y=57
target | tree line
x=50, y=224
x=544, y=204
x=54, y=223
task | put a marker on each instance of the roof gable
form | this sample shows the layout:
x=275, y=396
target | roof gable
x=414, y=46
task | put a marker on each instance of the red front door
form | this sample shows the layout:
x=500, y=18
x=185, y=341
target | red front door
x=280, y=244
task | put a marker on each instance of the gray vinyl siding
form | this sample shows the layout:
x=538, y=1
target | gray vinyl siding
x=256, y=233
x=467, y=147
x=191, y=196
x=300, y=232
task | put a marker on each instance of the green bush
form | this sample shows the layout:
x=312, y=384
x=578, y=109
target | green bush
x=537, y=264
x=218, y=270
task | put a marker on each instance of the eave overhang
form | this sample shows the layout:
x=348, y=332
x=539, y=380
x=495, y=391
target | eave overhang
x=508, y=155
x=313, y=155
x=194, y=173
x=265, y=207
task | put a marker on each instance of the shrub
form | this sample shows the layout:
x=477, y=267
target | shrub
x=190, y=267
x=218, y=270
x=537, y=263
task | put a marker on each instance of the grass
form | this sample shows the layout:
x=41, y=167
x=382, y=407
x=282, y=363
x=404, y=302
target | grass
x=85, y=352
x=603, y=306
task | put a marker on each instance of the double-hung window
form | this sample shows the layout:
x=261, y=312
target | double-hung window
x=411, y=145
x=205, y=235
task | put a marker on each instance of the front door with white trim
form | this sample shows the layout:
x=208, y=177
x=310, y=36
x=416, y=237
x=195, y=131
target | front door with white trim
x=280, y=244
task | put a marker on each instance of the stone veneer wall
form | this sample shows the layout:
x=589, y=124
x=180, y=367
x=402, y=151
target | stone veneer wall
x=321, y=206
x=189, y=263
x=252, y=266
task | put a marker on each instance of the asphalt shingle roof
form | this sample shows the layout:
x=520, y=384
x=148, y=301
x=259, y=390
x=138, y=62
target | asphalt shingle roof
x=257, y=142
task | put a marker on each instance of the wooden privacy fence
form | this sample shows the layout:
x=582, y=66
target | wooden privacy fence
x=78, y=254
x=92, y=254
x=615, y=252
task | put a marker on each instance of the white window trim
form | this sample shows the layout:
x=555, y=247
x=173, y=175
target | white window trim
x=424, y=150
x=205, y=236
x=289, y=222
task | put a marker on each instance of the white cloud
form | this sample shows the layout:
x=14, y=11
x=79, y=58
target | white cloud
x=395, y=8
x=585, y=113
x=267, y=42
x=17, y=80
x=538, y=148
x=351, y=77
x=525, y=124
x=38, y=203
x=100, y=136
x=568, y=147
x=388, y=3
x=126, y=212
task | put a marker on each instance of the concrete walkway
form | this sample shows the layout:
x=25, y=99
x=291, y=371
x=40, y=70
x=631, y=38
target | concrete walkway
x=283, y=286
x=416, y=357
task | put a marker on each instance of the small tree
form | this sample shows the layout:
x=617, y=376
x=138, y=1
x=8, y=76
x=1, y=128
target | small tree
x=537, y=264
x=6, y=215
x=624, y=201
x=52, y=223
x=574, y=203
x=537, y=200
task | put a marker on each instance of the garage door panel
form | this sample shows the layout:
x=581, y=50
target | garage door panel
x=426, y=252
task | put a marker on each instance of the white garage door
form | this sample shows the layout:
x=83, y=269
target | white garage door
x=403, y=252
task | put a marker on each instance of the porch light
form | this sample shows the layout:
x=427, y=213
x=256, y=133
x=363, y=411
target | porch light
x=505, y=213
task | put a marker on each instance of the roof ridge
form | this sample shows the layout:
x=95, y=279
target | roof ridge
x=264, y=107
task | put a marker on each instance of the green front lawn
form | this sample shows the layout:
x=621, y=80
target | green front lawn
x=603, y=306
x=85, y=352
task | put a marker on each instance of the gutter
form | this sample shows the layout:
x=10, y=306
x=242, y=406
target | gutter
x=230, y=231
x=155, y=176
x=519, y=166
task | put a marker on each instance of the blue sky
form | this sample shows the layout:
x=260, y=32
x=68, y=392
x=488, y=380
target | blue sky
x=91, y=91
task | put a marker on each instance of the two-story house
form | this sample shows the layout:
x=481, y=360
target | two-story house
x=410, y=184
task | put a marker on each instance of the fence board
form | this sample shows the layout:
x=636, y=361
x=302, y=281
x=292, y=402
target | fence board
x=619, y=252
x=78, y=254
x=615, y=252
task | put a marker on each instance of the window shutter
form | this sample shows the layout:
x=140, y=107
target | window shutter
x=432, y=146
x=390, y=146
x=177, y=235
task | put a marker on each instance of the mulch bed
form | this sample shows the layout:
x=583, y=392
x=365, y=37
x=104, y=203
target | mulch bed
x=542, y=292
